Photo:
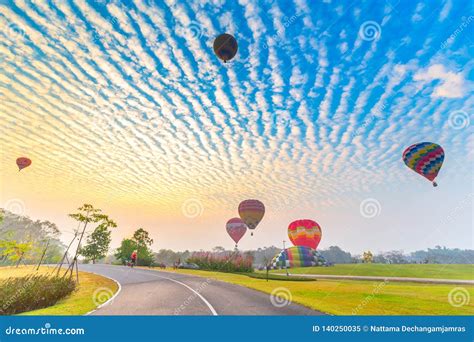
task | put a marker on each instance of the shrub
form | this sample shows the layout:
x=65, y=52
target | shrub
x=32, y=292
x=233, y=262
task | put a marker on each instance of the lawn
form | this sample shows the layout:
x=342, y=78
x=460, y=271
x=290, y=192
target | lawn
x=440, y=271
x=349, y=297
x=83, y=300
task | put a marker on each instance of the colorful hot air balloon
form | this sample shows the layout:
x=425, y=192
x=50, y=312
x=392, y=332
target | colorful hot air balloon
x=251, y=212
x=236, y=229
x=298, y=256
x=23, y=162
x=425, y=158
x=305, y=233
x=225, y=47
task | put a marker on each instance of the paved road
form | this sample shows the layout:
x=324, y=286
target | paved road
x=150, y=292
x=394, y=279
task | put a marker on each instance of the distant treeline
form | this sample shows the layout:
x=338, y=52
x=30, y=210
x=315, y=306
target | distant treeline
x=24, y=241
x=335, y=255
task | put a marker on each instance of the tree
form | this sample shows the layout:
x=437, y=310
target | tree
x=336, y=255
x=142, y=237
x=86, y=215
x=368, y=257
x=22, y=229
x=141, y=242
x=123, y=253
x=14, y=251
x=98, y=242
x=395, y=257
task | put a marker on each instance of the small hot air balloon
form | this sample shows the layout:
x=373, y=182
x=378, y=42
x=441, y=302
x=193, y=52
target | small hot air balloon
x=305, y=233
x=425, y=158
x=251, y=212
x=23, y=162
x=225, y=47
x=236, y=229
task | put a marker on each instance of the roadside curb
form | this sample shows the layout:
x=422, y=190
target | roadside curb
x=110, y=299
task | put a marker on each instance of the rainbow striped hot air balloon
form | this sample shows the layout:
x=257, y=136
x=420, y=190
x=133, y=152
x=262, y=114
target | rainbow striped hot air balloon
x=305, y=233
x=298, y=256
x=425, y=158
x=251, y=212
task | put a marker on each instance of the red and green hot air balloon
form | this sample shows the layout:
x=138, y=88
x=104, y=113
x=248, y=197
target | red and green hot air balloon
x=305, y=233
x=236, y=228
x=425, y=158
x=23, y=162
x=251, y=212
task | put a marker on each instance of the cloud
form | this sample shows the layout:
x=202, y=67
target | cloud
x=451, y=84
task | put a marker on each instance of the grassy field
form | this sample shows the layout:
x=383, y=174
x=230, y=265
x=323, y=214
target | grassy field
x=83, y=300
x=439, y=271
x=360, y=297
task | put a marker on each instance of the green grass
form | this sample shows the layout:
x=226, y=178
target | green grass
x=277, y=277
x=91, y=291
x=347, y=297
x=439, y=271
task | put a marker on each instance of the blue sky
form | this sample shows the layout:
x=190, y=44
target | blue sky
x=123, y=104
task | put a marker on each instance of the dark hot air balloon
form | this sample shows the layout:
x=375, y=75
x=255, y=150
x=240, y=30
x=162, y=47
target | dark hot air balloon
x=23, y=162
x=225, y=47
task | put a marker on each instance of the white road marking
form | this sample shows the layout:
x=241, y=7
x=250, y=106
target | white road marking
x=211, y=308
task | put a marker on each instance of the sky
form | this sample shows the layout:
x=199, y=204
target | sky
x=123, y=104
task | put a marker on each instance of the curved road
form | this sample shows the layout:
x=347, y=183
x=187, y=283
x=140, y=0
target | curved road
x=150, y=292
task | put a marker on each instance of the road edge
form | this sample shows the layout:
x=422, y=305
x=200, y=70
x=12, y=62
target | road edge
x=110, y=299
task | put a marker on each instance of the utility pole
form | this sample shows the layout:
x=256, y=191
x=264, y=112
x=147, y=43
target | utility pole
x=285, y=254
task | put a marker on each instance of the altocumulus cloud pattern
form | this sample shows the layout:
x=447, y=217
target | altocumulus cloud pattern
x=128, y=98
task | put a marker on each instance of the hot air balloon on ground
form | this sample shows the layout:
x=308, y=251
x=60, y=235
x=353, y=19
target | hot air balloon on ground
x=236, y=229
x=251, y=212
x=298, y=256
x=225, y=47
x=425, y=158
x=23, y=162
x=305, y=233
